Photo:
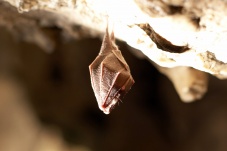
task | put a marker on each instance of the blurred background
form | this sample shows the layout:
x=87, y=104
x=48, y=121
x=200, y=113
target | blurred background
x=47, y=104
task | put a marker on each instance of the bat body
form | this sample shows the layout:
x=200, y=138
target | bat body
x=110, y=75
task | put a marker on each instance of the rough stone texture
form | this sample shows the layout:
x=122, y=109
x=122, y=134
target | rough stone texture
x=201, y=25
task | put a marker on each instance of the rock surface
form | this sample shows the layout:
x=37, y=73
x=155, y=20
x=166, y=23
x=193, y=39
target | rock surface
x=201, y=25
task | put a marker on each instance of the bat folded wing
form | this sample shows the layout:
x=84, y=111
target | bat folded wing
x=111, y=80
x=110, y=74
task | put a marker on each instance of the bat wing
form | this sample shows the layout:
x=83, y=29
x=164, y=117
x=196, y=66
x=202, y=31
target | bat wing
x=95, y=72
x=110, y=75
x=110, y=81
x=118, y=54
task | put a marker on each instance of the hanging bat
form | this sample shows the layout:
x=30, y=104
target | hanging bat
x=161, y=42
x=110, y=75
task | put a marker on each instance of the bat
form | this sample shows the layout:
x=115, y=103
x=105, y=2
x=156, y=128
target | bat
x=161, y=42
x=110, y=74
